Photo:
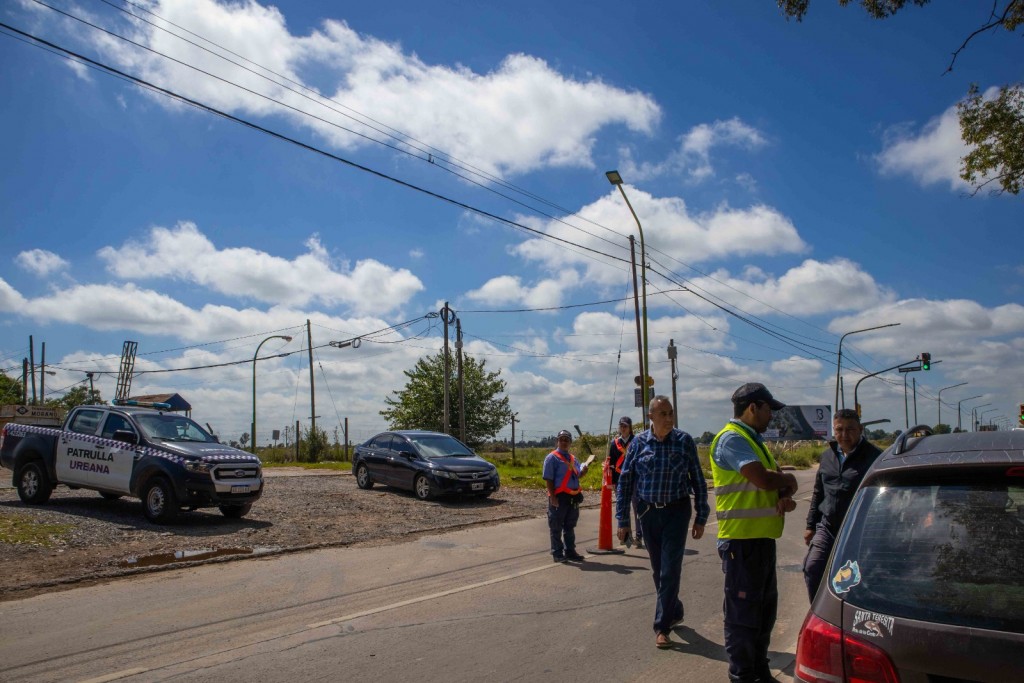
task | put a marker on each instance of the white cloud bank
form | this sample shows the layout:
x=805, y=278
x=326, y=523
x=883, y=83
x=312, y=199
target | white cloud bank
x=40, y=261
x=693, y=157
x=185, y=253
x=520, y=116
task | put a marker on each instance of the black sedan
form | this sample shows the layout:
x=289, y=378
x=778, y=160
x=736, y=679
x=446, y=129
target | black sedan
x=427, y=463
x=924, y=582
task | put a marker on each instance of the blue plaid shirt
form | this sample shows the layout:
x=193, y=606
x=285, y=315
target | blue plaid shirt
x=662, y=472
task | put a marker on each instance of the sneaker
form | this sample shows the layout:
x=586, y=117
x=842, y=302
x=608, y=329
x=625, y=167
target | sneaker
x=574, y=557
x=662, y=641
x=559, y=558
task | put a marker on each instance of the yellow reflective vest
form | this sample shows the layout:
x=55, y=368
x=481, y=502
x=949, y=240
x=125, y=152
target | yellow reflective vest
x=744, y=510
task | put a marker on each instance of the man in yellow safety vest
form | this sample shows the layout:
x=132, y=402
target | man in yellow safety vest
x=751, y=496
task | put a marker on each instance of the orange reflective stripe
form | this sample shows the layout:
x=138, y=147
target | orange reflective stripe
x=571, y=462
x=622, y=453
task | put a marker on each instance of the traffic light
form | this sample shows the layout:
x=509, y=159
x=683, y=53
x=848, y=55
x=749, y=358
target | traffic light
x=926, y=361
x=1020, y=414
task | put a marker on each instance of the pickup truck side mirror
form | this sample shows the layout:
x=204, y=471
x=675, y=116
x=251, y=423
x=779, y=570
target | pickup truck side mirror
x=126, y=435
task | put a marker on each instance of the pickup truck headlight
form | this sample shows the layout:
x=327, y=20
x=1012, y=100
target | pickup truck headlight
x=198, y=466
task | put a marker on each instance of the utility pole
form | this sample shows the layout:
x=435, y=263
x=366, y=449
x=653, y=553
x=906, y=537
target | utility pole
x=514, y=416
x=446, y=317
x=462, y=386
x=32, y=365
x=42, y=375
x=312, y=390
x=639, y=338
x=672, y=357
x=913, y=383
x=24, y=381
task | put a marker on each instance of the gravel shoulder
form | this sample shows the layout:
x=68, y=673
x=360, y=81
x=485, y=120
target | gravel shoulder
x=300, y=510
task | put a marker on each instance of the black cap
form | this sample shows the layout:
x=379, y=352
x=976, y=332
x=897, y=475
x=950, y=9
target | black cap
x=755, y=391
x=626, y=420
x=566, y=433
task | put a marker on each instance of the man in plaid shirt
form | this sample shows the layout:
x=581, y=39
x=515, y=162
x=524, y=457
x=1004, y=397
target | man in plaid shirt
x=661, y=465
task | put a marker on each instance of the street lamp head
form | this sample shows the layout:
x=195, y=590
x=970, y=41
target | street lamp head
x=285, y=337
x=614, y=178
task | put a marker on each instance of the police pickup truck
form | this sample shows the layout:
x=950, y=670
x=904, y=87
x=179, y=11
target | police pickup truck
x=142, y=450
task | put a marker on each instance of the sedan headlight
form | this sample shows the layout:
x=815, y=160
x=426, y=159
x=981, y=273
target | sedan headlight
x=445, y=474
x=198, y=466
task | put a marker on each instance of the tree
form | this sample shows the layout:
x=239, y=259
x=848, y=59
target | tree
x=706, y=438
x=10, y=390
x=244, y=439
x=993, y=129
x=77, y=396
x=941, y=428
x=314, y=445
x=420, y=405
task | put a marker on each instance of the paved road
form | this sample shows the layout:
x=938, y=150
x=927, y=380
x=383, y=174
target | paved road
x=485, y=602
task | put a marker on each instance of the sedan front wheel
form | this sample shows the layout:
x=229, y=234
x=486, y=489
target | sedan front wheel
x=421, y=487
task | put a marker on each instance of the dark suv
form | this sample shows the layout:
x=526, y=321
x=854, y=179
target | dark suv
x=426, y=463
x=926, y=581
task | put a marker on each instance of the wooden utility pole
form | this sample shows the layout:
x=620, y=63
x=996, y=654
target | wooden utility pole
x=312, y=389
x=462, y=385
x=32, y=365
x=514, y=416
x=672, y=357
x=447, y=365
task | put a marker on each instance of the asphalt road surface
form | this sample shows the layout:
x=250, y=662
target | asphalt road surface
x=479, y=603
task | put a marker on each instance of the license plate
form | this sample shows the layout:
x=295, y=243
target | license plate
x=479, y=486
x=239, y=489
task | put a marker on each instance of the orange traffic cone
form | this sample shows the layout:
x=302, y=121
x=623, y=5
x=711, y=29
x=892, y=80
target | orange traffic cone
x=604, y=530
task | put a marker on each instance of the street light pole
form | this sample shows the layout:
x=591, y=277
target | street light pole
x=974, y=416
x=939, y=401
x=839, y=360
x=615, y=179
x=275, y=336
x=958, y=414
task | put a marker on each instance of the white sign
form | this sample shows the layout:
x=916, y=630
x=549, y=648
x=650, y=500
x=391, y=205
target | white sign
x=801, y=423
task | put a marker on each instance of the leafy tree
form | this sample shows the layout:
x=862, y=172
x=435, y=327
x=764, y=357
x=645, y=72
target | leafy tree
x=77, y=396
x=244, y=439
x=10, y=390
x=706, y=438
x=314, y=445
x=941, y=428
x=420, y=405
x=992, y=129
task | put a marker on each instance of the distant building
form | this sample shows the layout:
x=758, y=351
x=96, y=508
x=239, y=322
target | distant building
x=177, y=403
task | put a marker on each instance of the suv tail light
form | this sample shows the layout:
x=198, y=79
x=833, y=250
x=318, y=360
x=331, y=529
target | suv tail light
x=824, y=654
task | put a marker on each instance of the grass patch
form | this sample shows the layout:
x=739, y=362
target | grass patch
x=22, y=529
x=325, y=465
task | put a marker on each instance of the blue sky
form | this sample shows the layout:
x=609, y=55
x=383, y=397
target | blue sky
x=800, y=176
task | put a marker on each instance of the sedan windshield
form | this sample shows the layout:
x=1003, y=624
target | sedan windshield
x=439, y=446
x=163, y=427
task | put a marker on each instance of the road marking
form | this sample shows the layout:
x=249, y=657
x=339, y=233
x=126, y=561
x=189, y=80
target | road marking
x=434, y=596
x=116, y=675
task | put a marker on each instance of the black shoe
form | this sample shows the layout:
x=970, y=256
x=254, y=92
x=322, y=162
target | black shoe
x=559, y=558
x=574, y=557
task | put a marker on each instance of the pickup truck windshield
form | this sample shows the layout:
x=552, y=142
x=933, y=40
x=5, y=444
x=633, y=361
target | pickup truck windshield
x=163, y=427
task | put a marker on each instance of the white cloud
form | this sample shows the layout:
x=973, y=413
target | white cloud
x=11, y=300
x=185, y=253
x=693, y=157
x=509, y=289
x=930, y=156
x=40, y=261
x=520, y=116
x=672, y=236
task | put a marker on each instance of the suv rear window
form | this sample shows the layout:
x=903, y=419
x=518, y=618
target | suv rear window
x=943, y=549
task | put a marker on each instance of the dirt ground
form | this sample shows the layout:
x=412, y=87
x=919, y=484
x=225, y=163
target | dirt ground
x=299, y=511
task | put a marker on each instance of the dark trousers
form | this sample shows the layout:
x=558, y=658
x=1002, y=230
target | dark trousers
x=751, y=604
x=817, y=557
x=562, y=525
x=664, y=531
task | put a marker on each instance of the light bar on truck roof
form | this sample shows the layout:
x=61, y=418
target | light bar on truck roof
x=140, y=404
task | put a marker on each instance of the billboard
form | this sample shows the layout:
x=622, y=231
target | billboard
x=800, y=423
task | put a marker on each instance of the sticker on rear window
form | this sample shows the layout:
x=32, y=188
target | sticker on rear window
x=868, y=623
x=847, y=577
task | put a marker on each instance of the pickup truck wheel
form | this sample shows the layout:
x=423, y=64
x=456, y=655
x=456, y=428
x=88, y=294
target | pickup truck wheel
x=159, y=503
x=421, y=487
x=33, y=484
x=107, y=495
x=363, y=480
x=235, y=511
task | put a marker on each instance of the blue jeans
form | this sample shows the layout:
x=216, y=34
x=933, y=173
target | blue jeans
x=817, y=557
x=664, y=533
x=750, y=606
x=562, y=525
